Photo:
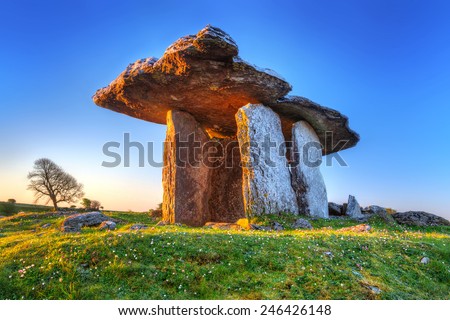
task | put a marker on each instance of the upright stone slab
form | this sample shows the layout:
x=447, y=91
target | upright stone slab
x=185, y=177
x=226, y=203
x=353, y=209
x=307, y=180
x=266, y=180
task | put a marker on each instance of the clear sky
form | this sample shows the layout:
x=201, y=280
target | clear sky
x=385, y=64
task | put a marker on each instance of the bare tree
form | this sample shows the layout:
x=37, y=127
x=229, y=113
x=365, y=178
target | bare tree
x=95, y=205
x=48, y=180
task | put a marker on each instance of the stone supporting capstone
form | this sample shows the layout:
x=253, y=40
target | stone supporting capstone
x=185, y=176
x=226, y=203
x=266, y=180
x=307, y=181
x=202, y=178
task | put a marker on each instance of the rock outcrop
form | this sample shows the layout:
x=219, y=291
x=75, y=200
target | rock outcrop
x=335, y=209
x=266, y=178
x=75, y=222
x=353, y=210
x=307, y=180
x=107, y=225
x=301, y=224
x=379, y=212
x=420, y=218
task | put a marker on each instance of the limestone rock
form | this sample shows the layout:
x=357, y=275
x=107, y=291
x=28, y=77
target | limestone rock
x=379, y=212
x=425, y=260
x=136, y=227
x=302, y=224
x=75, y=222
x=226, y=203
x=203, y=75
x=266, y=177
x=420, y=218
x=259, y=227
x=373, y=289
x=335, y=209
x=107, y=225
x=307, y=181
x=200, y=74
x=277, y=226
x=353, y=208
x=185, y=176
x=293, y=109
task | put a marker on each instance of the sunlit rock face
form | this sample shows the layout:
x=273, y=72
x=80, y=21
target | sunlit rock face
x=185, y=176
x=307, y=180
x=202, y=74
x=202, y=178
x=266, y=178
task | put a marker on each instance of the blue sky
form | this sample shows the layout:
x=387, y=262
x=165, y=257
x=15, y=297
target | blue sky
x=385, y=64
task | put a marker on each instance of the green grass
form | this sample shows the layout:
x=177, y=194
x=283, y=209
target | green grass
x=175, y=262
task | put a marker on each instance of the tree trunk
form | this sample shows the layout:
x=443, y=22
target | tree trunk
x=55, y=203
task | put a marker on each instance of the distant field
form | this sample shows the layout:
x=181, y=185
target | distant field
x=37, y=261
x=26, y=207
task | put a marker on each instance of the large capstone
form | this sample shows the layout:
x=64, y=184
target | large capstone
x=202, y=74
x=307, y=180
x=185, y=175
x=266, y=180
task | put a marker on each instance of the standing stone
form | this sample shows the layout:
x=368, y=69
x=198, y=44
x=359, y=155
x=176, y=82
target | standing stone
x=266, y=180
x=353, y=209
x=185, y=177
x=307, y=180
x=226, y=203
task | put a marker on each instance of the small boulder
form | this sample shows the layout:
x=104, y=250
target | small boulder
x=357, y=228
x=374, y=289
x=353, y=208
x=420, y=218
x=335, y=209
x=277, y=226
x=75, y=222
x=44, y=226
x=380, y=212
x=259, y=227
x=107, y=225
x=138, y=227
x=425, y=260
x=302, y=224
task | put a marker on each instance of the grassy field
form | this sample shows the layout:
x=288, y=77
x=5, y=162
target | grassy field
x=174, y=262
